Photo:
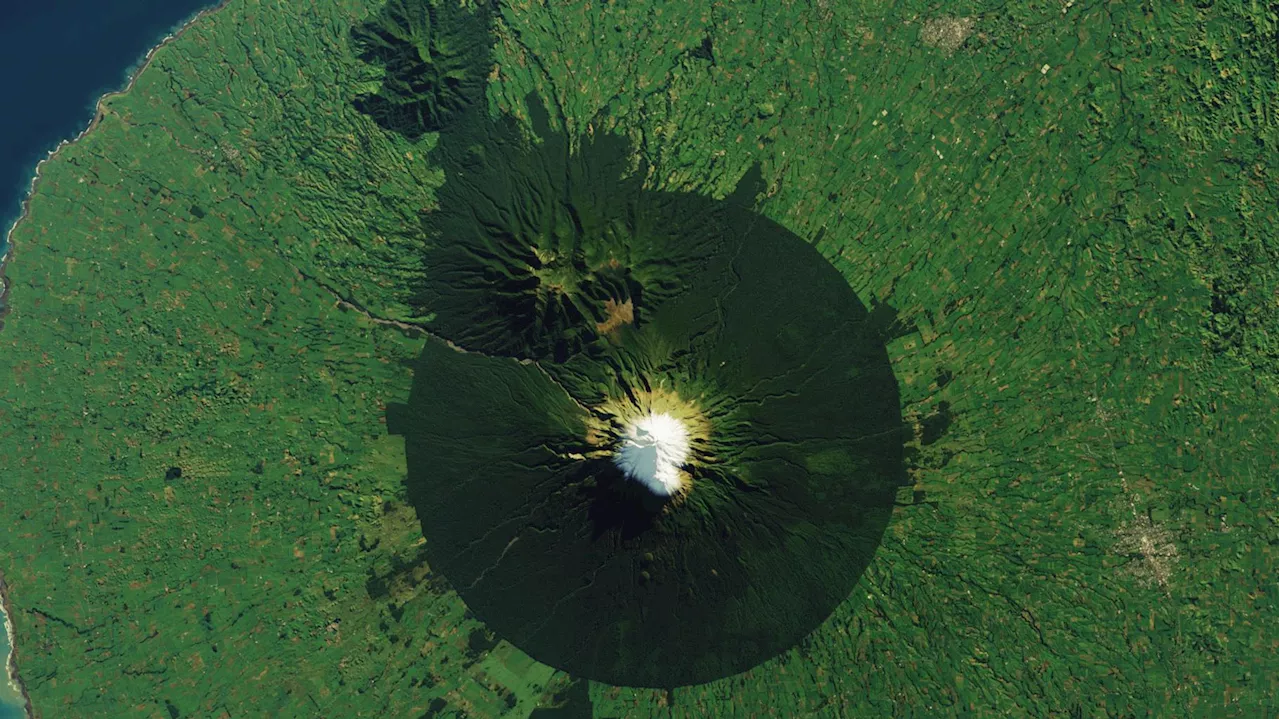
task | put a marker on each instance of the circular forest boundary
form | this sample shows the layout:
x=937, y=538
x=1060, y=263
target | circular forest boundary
x=1064, y=217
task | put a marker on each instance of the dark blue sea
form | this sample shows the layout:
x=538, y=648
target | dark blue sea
x=11, y=704
x=58, y=57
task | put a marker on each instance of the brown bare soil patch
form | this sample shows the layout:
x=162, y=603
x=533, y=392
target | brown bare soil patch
x=617, y=314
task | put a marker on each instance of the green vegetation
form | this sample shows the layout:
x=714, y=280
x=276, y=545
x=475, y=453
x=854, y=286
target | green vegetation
x=533, y=249
x=1063, y=215
x=732, y=323
x=435, y=59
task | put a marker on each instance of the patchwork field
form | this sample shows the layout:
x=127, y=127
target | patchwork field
x=1061, y=214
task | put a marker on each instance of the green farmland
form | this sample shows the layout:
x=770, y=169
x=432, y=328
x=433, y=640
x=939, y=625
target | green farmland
x=1060, y=218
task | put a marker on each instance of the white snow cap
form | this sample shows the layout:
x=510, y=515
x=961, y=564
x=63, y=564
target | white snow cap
x=652, y=450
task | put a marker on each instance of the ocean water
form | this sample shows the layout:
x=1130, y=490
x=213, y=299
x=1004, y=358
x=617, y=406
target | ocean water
x=11, y=706
x=58, y=57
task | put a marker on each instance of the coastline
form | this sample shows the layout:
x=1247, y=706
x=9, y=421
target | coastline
x=6, y=244
x=11, y=662
x=6, y=241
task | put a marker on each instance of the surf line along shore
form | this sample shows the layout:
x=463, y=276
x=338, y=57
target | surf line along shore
x=6, y=256
x=6, y=244
x=11, y=661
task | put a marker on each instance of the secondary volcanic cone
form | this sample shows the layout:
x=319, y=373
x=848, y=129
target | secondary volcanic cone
x=538, y=252
x=434, y=57
x=747, y=376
